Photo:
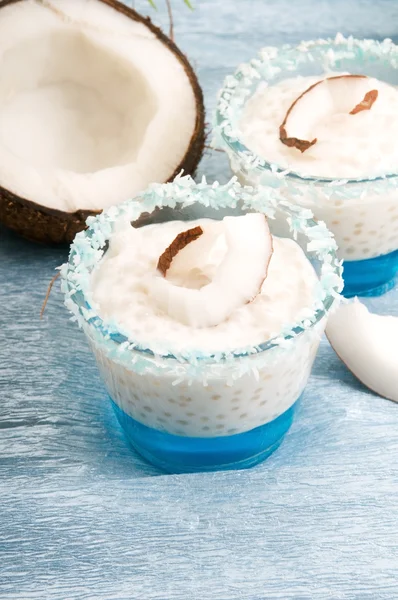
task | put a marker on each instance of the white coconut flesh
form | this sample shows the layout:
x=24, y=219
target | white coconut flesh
x=368, y=345
x=93, y=107
x=237, y=279
x=317, y=106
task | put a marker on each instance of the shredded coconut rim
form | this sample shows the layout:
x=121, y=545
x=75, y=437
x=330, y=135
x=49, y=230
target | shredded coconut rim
x=267, y=66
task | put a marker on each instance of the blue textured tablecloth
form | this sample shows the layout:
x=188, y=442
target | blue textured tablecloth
x=82, y=517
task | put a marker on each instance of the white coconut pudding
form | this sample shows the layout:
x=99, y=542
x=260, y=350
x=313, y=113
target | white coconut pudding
x=203, y=329
x=320, y=120
x=233, y=286
x=341, y=127
x=95, y=103
x=336, y=126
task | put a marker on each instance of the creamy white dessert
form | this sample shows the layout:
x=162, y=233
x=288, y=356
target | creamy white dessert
x=126, y=291
x=348, y=145
x=122, y=288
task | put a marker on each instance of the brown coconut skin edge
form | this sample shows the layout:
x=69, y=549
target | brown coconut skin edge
x=303, y=145
x=51, y=226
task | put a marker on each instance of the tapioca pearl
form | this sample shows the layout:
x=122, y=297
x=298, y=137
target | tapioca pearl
x=232, y=389
x=346, y=239
x=171, y=401
x=236, y=400
x=263, y=403
x=190, y=414
x=365, y=251
x=182, y=422
x=233, y=398
x=338, y=202
x=161, y=420
x=204, y=419
x=221, y=417
x=359, y=225
x=232, y=430
x=335, y=222
x=167, y=414
x=243, y=415
x=216, y=397
x=357, y=232
x=266, y=376
x=220, y=427
x=350, y=250
x=186, y=398
x=206, y=428
x=235, y=408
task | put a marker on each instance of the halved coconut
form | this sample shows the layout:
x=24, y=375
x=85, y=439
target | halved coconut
x=368, y=346
x=95, y=104
x=237, y=280
x=349, y=94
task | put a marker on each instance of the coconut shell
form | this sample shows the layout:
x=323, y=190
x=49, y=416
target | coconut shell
x=39, y=223
x=46, y=225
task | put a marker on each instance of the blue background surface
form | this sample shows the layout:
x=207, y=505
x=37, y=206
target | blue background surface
x=82, y=517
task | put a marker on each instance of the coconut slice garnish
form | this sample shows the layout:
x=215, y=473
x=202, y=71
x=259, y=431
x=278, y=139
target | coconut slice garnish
x=96, y=103
x=368, y=345
x=329, y=96
x=237, y=280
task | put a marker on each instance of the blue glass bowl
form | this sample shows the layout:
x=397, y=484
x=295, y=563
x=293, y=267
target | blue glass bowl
x=362, y=213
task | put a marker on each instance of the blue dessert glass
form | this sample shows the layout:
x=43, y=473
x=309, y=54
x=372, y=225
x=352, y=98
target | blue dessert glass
x=194, y=411
x=362, y=213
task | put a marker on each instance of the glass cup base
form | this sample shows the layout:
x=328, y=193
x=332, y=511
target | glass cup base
x=370, y=277
x=179, y=454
